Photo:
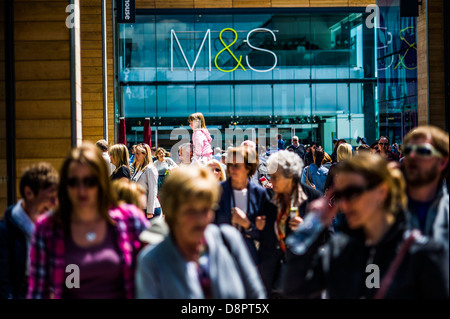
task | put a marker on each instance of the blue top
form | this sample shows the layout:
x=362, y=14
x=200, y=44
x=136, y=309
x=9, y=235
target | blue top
x=163, y=273
x=318, y=176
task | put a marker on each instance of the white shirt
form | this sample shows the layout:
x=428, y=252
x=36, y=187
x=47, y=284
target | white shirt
x=241, y=199
x=111, y=167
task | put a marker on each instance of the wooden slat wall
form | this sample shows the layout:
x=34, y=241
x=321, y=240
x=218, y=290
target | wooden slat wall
x=436, y=63
x=430, y=71
x=422, y=72
x=42, y=79
x=91, y=72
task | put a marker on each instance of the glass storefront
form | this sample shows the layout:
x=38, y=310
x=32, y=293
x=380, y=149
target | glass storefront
x=396, y=72
x=306, y=73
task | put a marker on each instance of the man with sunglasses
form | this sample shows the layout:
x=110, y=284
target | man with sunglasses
x=425, y=167
x=383, y=150
x=38, y=189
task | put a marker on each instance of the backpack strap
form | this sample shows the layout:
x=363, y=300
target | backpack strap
x=387, y=280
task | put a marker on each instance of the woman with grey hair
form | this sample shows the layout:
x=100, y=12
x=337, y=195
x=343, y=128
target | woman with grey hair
x=290, y=198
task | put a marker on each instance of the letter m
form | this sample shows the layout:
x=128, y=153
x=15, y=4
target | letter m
x=174, y=35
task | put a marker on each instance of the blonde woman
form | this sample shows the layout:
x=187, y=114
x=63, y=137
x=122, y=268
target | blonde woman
x=200, y=138
x=371, y=195
x=217, y=169
x=343, y=152
x=198, y=259
x=120, y=158
x=147, y=176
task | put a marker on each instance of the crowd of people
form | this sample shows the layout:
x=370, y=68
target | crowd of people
x=138, y=224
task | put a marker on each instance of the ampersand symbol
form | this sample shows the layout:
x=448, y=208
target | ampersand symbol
x=226, y=47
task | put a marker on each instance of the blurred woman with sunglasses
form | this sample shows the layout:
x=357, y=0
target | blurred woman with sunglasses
x=146, y=175
x=87, y=247
x=356, y=263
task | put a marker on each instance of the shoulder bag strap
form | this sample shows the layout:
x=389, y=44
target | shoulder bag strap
x=387, y=280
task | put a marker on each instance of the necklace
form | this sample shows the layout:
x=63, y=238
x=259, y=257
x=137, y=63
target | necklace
x=90, y=236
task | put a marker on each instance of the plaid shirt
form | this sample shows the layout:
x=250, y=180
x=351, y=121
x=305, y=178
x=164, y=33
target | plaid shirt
x=47, y=255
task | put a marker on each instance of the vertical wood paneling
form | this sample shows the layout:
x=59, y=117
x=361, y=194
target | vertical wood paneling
x=42, y=80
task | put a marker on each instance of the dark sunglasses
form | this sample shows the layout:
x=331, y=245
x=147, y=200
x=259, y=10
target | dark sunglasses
x=421, y=150
x=234, y=165
x=383, y=143
x=87, y=182
x=351, y=192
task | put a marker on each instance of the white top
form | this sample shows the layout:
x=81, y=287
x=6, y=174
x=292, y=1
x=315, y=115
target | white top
x=162, y=167
x=241, y=199
x=111, y=167
x=148, y=179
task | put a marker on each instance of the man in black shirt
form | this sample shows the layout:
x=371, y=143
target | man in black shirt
x=297, y=148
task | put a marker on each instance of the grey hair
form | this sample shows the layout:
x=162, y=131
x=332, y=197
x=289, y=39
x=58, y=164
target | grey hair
x=288, y=163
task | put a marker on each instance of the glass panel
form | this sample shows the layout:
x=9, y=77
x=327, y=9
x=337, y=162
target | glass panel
x=253, y=99
x=324, y=101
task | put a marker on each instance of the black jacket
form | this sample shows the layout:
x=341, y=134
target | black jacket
x=13, y=258
x=340, y=267
x=257, y=204
x=270, y=254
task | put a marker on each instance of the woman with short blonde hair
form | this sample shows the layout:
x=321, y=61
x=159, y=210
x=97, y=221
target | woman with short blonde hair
x=198, y=259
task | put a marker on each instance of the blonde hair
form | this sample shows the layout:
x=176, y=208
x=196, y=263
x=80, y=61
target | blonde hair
x=376, y=170
x=190, y=184
x=144, y=149
x=199, y=117
x=119, y=152
x=128, y=192
x=344, y=151
x=223, y=174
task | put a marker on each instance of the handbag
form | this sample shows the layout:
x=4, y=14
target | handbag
x=387, y=280
x=308, y=180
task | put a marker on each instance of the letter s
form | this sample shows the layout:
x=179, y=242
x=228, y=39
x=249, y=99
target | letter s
x=260, y=49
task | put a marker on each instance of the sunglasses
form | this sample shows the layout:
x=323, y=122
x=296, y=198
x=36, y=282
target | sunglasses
x=383, y=144
x=235, y=165
x=87, y=182
x=422, y=150
x=351, y=192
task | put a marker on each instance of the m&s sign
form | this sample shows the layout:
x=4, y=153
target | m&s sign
x=227, y=49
